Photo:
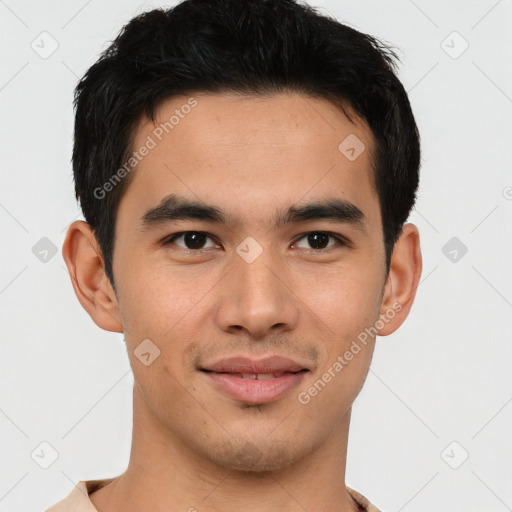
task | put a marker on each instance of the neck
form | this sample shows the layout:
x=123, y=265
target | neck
x=165, y=475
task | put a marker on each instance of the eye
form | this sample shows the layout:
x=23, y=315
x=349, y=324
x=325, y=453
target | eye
x=197, y=240
x=319, y=239
x=192, y=240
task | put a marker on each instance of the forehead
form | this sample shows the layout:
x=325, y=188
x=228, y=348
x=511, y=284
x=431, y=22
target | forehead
x=263, y=149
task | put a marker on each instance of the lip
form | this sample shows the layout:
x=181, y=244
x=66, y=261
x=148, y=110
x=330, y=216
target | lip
x=270, y=364
x=226, y=376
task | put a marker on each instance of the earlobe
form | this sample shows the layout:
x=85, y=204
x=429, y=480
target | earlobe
x=86, y=268
x=403, y=279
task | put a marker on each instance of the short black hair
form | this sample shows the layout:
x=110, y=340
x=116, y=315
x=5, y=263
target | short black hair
x=257, y=47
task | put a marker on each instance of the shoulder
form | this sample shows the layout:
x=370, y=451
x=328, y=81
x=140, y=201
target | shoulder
x=363, y=502
x=78, y=499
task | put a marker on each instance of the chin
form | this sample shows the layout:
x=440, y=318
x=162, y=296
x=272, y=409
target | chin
x=243, y=455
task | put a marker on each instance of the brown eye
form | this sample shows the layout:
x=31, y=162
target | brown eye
x=319, y=240
x=191, y=240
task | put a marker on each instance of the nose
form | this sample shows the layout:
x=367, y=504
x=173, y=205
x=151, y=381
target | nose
x=257, y=299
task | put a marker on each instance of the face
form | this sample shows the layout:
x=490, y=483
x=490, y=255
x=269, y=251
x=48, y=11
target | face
x=252, y=272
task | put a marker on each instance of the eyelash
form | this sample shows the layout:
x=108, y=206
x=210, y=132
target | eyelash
x=341, y=242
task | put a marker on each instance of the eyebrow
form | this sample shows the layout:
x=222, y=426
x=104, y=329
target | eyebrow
x=174, y=207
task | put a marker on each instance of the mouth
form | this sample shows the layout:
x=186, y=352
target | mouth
x=255, y=382
x=255, y=376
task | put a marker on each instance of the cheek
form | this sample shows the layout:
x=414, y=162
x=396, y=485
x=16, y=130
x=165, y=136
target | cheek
x=167, y=308
x=346, y=299
x=348, y=306
x=155, y=298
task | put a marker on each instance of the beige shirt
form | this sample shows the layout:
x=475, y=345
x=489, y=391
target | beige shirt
x=78, y=499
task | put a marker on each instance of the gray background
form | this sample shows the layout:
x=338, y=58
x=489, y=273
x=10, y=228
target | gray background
x=438, y=389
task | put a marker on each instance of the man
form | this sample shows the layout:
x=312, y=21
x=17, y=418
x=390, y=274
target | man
x=246, y=169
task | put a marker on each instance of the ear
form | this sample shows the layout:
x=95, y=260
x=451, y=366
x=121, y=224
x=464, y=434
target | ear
x=86, y=267
x=403, y=280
